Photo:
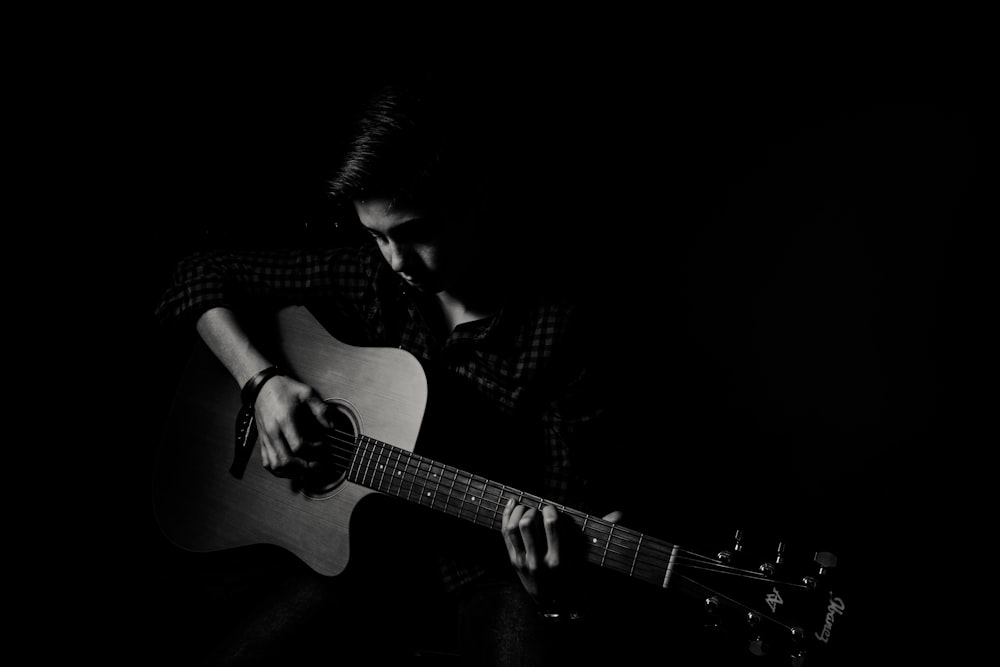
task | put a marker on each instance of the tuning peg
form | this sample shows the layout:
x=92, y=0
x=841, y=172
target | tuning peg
x=825, y=560
x=757, y=646
x=712, y=629
x=726, y=556
x=767, y=569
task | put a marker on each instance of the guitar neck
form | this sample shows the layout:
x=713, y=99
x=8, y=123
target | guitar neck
x=417, y=479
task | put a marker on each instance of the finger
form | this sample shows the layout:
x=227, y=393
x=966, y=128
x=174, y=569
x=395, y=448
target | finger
x=285, y=463
x=527, y=526
x=278, y=446
x=511, y=534
x=266, y=451
x=289, y=437
x=614, y=517
x=550, y=519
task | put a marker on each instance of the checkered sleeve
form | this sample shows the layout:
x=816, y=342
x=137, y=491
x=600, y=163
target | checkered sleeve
x=575, y=421
x=574, y=425
x=211, y=279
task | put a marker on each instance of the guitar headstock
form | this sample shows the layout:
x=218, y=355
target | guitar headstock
x=783, y=602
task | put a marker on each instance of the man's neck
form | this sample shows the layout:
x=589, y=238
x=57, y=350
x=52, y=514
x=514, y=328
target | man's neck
x=458, y=311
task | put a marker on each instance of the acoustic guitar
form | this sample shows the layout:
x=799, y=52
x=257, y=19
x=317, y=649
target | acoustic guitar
x=786, y=602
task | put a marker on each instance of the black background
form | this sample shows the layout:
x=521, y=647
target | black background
x=776, y=242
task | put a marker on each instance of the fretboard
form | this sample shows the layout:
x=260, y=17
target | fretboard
x=397, y=472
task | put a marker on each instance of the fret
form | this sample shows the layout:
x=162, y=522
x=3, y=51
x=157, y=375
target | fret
x=424, y=491
x=363, y=460
x=397, y=474
x=607, y=544
x=500, y=504
x=368, y=465
x=409, y=458
x=354, y=461
x=359, y=462
x=436, y=478
x=376, y=457
x=380, y=468
x=479, y=501
x=593, y=540
x=362, y=453
x=407, y=477
x=635, y=557
x=451, y=491
x=461, y=482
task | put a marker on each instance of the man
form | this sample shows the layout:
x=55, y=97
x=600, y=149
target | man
x=444, y=278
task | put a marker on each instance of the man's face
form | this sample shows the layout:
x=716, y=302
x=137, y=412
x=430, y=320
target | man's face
x=429, y=252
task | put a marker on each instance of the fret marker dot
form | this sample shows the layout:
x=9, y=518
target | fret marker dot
x=429, y=495
x=473, y=499
x=595, y=540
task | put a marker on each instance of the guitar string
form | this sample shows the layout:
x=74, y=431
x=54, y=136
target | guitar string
x=457, y=474
x=634, y=557
x=636, y=562
x=631, y=556
x=762, y=616
x=737, y=603
x=454, y=475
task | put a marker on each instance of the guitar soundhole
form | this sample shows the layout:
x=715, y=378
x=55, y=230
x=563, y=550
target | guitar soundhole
x=334, y=455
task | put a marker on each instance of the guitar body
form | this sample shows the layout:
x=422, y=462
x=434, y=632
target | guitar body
x=200, y=506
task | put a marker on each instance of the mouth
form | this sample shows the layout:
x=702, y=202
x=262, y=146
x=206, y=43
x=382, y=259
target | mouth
x=416, y=283
x=421, y=283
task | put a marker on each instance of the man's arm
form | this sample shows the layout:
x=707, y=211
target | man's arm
x=282, y=401
x=224, y=336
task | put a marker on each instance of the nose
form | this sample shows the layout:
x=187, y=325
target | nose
x=399, y=257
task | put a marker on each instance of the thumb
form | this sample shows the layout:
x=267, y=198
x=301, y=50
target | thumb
x=614, y=517
x=319, y=408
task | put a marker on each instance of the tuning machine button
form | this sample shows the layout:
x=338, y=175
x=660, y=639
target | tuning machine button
x=712, y=628
x=768, y=569
x=826, y=561
x=726, y=556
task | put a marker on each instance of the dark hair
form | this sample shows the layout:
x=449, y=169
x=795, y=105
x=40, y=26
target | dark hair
x=412, y=144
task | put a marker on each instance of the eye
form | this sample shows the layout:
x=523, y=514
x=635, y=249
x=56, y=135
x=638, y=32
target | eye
x=420, y=230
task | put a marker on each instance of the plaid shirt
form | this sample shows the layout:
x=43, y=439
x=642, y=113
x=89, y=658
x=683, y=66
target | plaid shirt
x=522, y=359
